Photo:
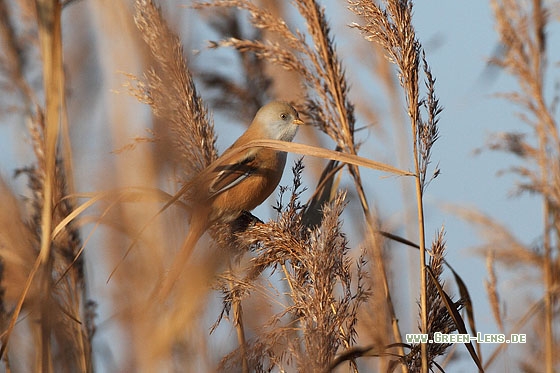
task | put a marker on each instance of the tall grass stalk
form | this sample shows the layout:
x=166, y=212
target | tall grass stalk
x=392, y=28
x=521, y=28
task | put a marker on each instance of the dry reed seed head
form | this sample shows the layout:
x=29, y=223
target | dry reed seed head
x=327, y=324
x=67, y=243
x=64, y=281
x=317, y=64
x=491, y=286
x=316, y=268
x=428, y=131
x=327, y=90
x=171, y=92
x=267, y=240
x=59, y=293
x=392, y=28
x=19, y=26
x=439, y=317
x=261, y=19
x=246, y=92
x=513, y=142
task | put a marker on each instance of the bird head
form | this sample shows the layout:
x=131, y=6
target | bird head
x=277, y=121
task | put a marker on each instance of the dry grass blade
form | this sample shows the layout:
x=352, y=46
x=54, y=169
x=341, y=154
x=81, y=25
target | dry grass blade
x=252, y=86
x=326, y=154
x=185, y=114
x=468, y=304
x=457, y=319
x=326, y=186
x=367, y=351
x=130, y=194
x=50, y=38
x=531, y=312
x=463, y=289
x=122, y=195
x=51, y=47
x=491, y=286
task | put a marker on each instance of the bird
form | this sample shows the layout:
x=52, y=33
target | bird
x=238, y=181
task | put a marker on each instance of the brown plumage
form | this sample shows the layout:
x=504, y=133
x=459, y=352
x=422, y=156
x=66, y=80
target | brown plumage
x=237, y=181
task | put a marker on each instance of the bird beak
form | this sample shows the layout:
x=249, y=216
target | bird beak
x=298, y=121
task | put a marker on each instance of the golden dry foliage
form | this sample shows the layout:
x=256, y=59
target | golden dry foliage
x=185, y=115
x=312, y=323
x=288, y=294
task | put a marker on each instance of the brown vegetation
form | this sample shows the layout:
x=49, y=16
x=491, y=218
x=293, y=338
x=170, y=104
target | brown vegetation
x=294, y=293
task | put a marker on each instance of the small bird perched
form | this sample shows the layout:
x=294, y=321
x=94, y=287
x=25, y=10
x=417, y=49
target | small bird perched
x=238, y=180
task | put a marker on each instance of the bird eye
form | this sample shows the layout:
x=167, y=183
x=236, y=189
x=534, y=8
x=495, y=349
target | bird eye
x=284, y=116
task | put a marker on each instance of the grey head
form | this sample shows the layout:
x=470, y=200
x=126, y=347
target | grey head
x=278, y=121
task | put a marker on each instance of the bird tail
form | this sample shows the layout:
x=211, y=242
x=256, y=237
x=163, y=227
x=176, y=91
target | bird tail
x=197, y=229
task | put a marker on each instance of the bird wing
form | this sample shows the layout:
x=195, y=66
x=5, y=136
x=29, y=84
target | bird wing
x=231, y=174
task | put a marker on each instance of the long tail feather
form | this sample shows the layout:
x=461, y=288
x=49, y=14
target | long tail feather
x=197, y=229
